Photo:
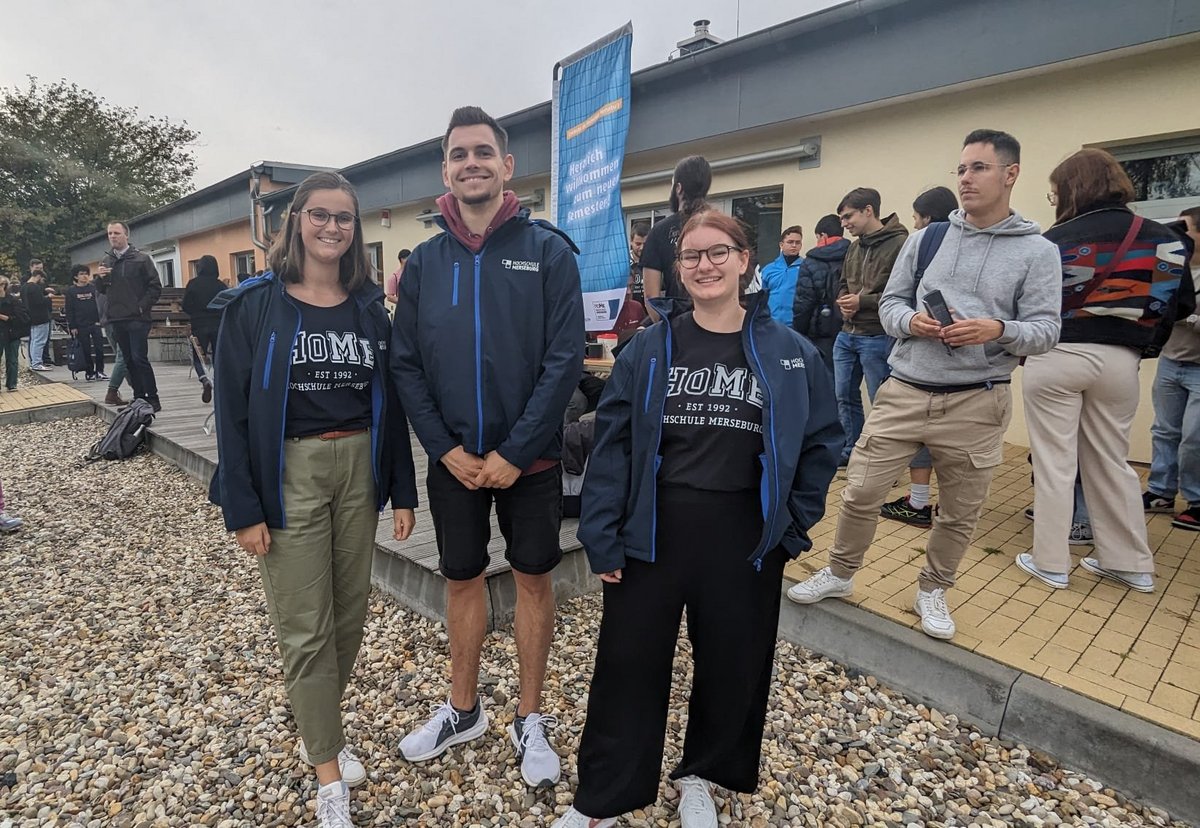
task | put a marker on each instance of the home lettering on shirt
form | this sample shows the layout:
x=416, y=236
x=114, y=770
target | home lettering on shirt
x=716, y=393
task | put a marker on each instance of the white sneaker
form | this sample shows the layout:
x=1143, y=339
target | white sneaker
x=445, y=728
x=540, y=765
x=1141, y=581
x=821, y=585
x=1054, y=580
x=353, y=772
x=935, y=615
x=333, y=806
x=696, y=806
x=574, y=819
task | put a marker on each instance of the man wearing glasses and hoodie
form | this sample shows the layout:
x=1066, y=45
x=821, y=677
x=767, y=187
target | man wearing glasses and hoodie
x=950, y=384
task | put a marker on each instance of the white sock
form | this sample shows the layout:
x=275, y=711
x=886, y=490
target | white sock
x=918, y=495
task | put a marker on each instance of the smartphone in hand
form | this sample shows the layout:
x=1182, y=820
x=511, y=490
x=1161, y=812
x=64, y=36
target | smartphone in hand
x=935, y=306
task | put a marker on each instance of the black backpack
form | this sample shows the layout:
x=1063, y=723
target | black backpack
x=126, y=435
x=76, y=359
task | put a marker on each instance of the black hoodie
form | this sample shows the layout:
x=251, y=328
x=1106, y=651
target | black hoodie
x=199, y=292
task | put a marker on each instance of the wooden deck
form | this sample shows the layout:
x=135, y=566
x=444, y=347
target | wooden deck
x=40, y=396
x=181, y=422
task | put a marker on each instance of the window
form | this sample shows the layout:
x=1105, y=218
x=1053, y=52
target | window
x=166, y=272
x=193, y=265
x=375, y=257
x=1165, y=176
x=762, y=213
x=166, y=260
x=243, y=263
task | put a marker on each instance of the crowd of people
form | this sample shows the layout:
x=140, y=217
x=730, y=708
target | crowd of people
x=735, y=396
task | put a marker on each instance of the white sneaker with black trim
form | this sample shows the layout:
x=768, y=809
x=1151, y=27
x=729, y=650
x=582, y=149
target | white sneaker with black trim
x=540, y=765
x=445, y=728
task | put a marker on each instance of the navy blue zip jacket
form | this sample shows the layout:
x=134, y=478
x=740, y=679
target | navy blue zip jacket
x=254, y=356
x=802, y=441
x=487, y=347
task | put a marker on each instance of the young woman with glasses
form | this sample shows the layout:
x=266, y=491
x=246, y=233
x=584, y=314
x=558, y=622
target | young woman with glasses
x=717, y=437
x=312, y=444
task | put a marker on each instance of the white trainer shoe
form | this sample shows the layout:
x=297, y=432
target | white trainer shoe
x=540, y=765
x=820, y=585
x=574, y=819
x=445, y=728
x=935, y=615
x=353, y=772
x=333, y=806
x=696, y=806
x=1141, y=581
x=1054, y=580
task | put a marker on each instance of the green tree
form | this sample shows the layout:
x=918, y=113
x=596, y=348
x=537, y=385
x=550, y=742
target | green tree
x=69, y=161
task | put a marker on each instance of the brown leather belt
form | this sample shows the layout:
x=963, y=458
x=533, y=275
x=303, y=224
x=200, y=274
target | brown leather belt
x=335, y=435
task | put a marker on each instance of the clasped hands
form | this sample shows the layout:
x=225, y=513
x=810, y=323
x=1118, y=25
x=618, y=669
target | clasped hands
x=488, y=472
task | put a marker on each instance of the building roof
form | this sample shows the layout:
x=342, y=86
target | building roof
x=850, y=55
x=235, y=186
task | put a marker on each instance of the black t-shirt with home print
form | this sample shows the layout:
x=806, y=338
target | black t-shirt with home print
x=332, y=364
x=712, y=421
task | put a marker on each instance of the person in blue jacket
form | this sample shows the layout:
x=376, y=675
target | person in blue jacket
x=779, y=276
x=312, y=444
x=716, y=439
x=488, y=349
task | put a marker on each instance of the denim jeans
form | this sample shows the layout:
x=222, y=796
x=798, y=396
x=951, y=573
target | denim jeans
x=1175, y=464
x=132, y=339
x=856, y=357
x=119, y=373
x=39, y=335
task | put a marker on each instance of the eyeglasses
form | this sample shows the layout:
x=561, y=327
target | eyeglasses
x=717, y=254
x=319, y=218
x=976, y=168
x=1052, y=197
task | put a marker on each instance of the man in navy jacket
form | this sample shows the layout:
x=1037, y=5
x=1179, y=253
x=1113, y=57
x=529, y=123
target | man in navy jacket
x=487, y=349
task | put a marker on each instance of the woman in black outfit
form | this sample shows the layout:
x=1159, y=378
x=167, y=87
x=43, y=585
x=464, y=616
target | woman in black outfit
x=717, y=436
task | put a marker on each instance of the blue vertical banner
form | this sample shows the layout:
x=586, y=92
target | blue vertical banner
x=590, y=119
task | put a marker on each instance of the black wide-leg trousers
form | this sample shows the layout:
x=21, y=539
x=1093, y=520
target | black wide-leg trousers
x=704, y=540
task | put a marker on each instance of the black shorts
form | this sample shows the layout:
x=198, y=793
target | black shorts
x=529, y=513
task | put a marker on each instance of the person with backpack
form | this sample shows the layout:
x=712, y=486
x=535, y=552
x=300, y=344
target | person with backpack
x=83, y=321
x=312, y=444
x=933, y=206
x=1124, y=281
x=814, y=307
x=14, y=324
x=200, y=291
x=949, y=385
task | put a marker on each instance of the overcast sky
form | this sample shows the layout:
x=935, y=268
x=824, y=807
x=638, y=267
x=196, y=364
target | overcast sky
x=333, y=82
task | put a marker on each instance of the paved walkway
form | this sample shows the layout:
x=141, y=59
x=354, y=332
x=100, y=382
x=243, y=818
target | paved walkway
x=1132, y=651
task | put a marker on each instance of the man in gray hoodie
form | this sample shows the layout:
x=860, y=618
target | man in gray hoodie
x=949, y=386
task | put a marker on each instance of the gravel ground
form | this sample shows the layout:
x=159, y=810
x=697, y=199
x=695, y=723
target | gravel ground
x=139, y=686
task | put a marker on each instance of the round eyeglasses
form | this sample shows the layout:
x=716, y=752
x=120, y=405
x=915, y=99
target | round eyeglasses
x=717, y=254
x=319, y=218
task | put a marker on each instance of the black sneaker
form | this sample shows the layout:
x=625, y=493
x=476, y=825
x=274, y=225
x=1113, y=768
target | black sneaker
x=1188, y=519
x=1156, y=503
x=905, y=512
x=206, y=394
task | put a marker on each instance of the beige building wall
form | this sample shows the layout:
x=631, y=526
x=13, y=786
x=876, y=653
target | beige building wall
x=223, y=243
